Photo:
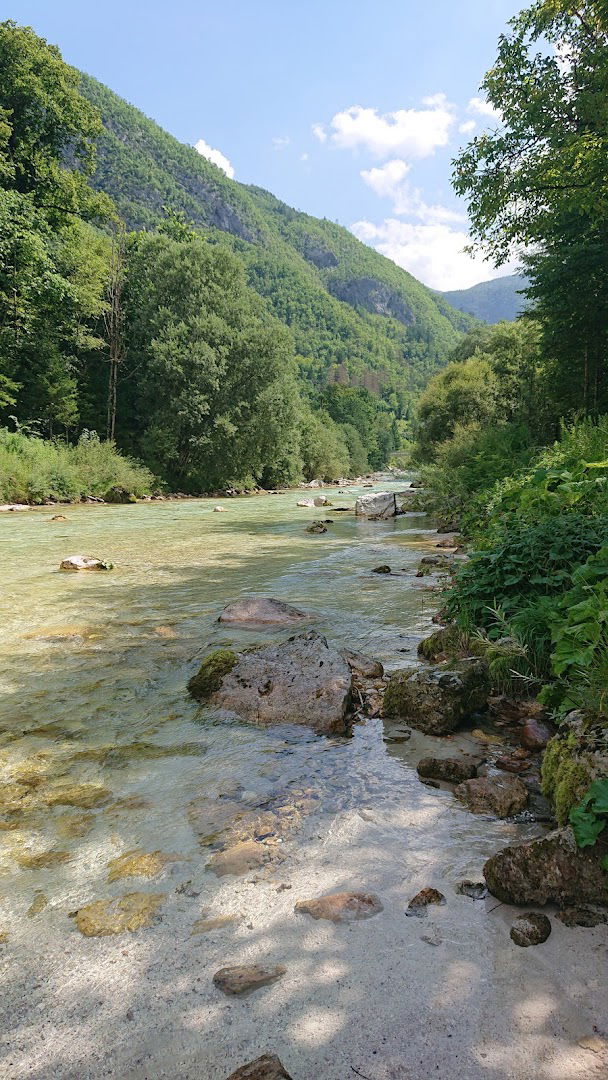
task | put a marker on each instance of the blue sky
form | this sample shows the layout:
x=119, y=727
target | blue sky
x=348, y=110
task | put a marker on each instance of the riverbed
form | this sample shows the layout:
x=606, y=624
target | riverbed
x=93, y=677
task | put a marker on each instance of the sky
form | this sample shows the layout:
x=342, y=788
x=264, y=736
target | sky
x=351, y=110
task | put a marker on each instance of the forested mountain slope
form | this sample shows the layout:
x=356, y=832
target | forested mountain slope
x=356, y=317
x=491, y=301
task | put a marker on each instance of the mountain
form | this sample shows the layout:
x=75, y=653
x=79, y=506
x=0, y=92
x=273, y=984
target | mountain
x=491, y=301
x=356, y=317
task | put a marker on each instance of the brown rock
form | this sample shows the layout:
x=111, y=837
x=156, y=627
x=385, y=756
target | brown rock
x=239, y=859
x=512, y=764
x=536, y=734
x=207, y=923
x=530, y=929
x=363, y=665
x=494, y=794
x=341, y=907
x=550, y=869
x=419, y=903
x=240, y=978
x=451, y=770
x=266, y=1067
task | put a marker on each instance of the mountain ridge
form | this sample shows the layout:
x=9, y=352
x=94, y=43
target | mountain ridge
x=356, y=317
x=491, y=301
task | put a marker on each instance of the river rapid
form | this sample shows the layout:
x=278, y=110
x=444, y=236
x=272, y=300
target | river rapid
x=93, y=677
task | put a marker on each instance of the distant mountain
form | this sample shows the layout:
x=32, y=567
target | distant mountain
x=356, y=317
x=491, y=301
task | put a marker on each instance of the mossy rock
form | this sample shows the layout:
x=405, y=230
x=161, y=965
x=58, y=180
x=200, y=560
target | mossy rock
x=565, y=779
x=449, y=642
x=437, y=700
x=212, y=673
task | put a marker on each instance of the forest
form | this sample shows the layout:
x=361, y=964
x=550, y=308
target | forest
x=203, y=328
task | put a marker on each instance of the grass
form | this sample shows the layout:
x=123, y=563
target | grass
x=33, y=470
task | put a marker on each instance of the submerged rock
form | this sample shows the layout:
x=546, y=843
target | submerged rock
x=341, y=907
x=84, y=562
x=476, y=890
x=240, y=978
x=433, y=564
x=38, y=904
x=138, y=864
x=419, y=903
x=450, y=770
x=437, y=700
x=298, y=681
x=41, y=860
x=261, y=611
x=239, y=859
x=383, y=569
x=550, y=869
x=131, y=912
x=266, y=1067
x=530, y=929
x=206, y=924
x=85, y=796
x=381, y=504
x=316, y=527
x=582, y=915
x=496, y=794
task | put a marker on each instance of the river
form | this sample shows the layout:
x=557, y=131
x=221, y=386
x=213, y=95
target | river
x=93, y=693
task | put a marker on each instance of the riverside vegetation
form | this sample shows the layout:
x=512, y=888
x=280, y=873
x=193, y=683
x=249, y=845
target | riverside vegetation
x=513, y=433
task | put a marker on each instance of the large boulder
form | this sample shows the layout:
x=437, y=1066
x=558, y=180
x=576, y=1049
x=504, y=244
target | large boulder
x=551, y=869
x=379, y=505
x=261, y=611
x=298, y=681
x=495, y=794
x=437, y=700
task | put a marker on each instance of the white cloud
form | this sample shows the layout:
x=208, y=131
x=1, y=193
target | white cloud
x=304, y=156
x=484, y=108
x=467, y=127
x=215, y=156
x=319, y=132
x=432, y=252
x=281, y=141
x=389, y=181
x=414, y=132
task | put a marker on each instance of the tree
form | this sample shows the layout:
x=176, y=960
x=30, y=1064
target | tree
x=538, y=183
x=113, y=317
x=213, y=402
x=463, y=393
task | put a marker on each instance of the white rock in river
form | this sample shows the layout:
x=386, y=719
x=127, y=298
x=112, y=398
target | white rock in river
x=379, y=504
x=305, y=502
x=84, y=562
x=299, y=681
x=261, y=610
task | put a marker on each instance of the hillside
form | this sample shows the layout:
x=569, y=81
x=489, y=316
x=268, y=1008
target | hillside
x=356, y=317
x=491, y=301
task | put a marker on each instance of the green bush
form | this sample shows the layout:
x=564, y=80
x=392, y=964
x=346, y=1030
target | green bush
x=33, y=470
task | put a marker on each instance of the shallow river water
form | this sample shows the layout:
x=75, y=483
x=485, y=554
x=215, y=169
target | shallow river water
x=93, y=676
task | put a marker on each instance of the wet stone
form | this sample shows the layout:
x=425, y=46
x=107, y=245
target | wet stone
x=131, y=912
x=530, y=929
x=69, y=825
x=266, y=1067
x=420, y=902
x=451, y=770
x=241, y=978
x=497, y=794
x=341, y=907
x=41, y=860
x=86, y=796
x=37, y=905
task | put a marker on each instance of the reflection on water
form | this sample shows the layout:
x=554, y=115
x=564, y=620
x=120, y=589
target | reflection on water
x=102, y=755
